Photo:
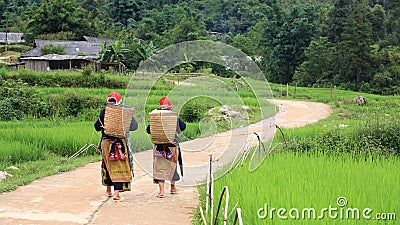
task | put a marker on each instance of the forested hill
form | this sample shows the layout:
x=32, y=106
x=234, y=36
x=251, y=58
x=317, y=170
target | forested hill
x=350, y=43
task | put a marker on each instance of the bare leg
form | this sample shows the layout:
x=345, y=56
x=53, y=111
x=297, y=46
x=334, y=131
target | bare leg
x=116, y=195
x=173, y=187
x=108, y=191
x=161, y=187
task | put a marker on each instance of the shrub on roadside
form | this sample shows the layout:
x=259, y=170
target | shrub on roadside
x=85, y=79
x=19, y=101
x=195, y=109
x=371, y=137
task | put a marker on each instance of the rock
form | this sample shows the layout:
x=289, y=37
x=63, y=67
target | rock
x=347, y=101
x=246, y=108
x=13, y=168
x=360, y=100
x=224, y=110
x=210, y=111
x=4, y=175
x=233, y=113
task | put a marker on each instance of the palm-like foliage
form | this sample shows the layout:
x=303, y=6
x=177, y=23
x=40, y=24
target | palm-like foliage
x=113, y=53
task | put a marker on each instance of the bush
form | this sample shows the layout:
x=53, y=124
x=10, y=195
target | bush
x=53, y=49
x=377, y=138
x=195, y=109
x=73, y=104
x=70, y=79
x=16, y=48
x=87, y=70
x=8, y=111
x=21, y=101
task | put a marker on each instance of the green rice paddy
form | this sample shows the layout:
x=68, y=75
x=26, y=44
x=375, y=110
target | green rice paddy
x=292, y=188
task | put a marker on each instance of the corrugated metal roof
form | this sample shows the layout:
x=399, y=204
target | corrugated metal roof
x=56, y=57
x=98, y=40
x=11, y=37
x=71, y=47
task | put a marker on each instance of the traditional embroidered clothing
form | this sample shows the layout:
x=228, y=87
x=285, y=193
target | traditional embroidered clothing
x=117, y=170
x=116, y=164
x=162, y=164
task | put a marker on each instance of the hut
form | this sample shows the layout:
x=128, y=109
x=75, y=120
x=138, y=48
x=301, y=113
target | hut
x=71, y=47
x=56, y=62
x=11, y=38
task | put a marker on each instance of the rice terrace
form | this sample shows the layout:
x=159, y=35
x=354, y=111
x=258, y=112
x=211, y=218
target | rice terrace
x=279, y=112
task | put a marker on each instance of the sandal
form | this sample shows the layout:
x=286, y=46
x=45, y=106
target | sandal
x=174, y=191
x=118, y=199
x=108, y=194
x=160, y=196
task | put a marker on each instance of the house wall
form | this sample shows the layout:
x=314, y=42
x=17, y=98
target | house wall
x=16, y=67
x=36, y=65
x=42, y=65
x=67, y=64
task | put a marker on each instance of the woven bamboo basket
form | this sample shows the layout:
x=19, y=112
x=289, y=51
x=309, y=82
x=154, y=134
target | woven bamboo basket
x=163, y=126
x=117, y=120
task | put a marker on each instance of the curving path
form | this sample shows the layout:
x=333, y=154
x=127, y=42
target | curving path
x=77, y=197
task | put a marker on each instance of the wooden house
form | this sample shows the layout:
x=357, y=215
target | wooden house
x=78, y=53
x=11, y=38
x=56, y=62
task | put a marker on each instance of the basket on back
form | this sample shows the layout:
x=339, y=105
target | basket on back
x=163, y=126
x=117, y=120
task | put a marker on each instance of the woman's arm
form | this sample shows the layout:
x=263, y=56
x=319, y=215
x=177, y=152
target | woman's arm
x=182, y=125
x=98, y=125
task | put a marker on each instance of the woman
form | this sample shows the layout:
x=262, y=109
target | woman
x=116, y=169
x=164, y=149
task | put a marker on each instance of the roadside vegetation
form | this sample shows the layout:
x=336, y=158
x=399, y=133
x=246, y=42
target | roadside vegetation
x=356, y=148
x=41, y=113
x=354, y=153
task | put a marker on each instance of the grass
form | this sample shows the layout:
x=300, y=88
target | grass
x=354, y=153
x=33, y=142
x=28, y=141
x=289, y=180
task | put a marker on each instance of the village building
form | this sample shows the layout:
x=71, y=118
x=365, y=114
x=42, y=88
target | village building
x=78, y=53
x=11, y=38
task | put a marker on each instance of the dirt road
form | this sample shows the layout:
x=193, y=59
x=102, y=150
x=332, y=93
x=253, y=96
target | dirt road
x=77, y=197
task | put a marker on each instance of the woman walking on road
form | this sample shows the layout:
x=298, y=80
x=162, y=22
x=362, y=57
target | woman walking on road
x=167, y=152
x=116, y=168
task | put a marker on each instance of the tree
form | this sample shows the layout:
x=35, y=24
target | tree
x=393, y=20
x=52, y=49
x=113, y=53
x=139, y=51
x=318, y=66
x=285, y=35
x=126, y=12
x=186, y=30
x=387, y=75
x=231, y=16
x=338, y=16
x=54, y=16
x=354, y=50
x=378, y=18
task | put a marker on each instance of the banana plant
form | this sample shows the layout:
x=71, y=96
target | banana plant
x=113, y=53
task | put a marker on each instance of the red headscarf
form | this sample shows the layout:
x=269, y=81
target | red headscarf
x=114, y=96
x=165, y=103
